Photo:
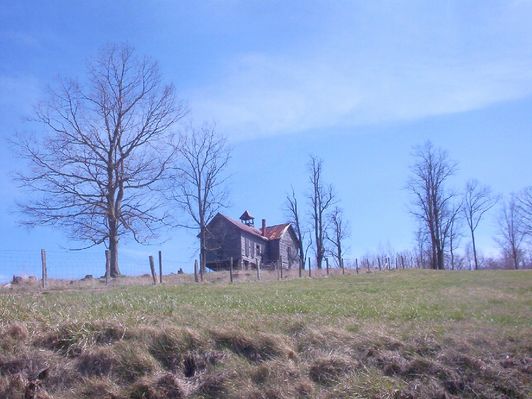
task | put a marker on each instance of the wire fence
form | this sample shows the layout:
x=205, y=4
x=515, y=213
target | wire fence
x=75, y=265
x=65, y=267
x=80, y=269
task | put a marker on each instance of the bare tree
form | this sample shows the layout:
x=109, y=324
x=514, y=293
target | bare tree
x=524, y=208
x=511, y=232
x=321, y=199
x=478, y=200
x=294, y=217
x=422, y=250
x=94, y=166
x=432, y=199
x=200, y=180
x=339, y=231
x=454, y=232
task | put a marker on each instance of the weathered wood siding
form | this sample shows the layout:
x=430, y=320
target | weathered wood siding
x=287, y=249
x=252, y=248
x=223, y=241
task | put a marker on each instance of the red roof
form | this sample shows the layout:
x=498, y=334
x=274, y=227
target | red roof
x=276, y=232
x=271, y=232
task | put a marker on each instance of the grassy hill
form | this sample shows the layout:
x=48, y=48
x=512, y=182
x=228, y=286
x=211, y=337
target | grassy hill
x=405, y=334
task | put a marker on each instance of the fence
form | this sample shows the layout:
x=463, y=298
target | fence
x=56, y=268
x=76, y=265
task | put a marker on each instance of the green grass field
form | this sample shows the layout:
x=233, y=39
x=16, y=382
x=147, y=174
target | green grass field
x=392, y=334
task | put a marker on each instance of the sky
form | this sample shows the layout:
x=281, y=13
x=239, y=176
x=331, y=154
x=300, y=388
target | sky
x=357, y=83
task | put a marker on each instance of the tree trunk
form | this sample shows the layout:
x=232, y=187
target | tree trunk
x=203, y=251
x=113, y=251
x=441, y=259
x=515, y=257
x=301, y=252
x=474, y=250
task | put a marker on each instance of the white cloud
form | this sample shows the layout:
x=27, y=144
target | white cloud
x=372, y=74
x=266, y=95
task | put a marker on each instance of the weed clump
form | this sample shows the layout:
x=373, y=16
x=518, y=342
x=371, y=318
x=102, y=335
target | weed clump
x=132, y=361
x=72, y=339
x=98, y=362
x=255, y=347
x=162, y=387
x=328, y=370
x=170, y=345
x=13, y=336
x=213, y=385
x=98, y=388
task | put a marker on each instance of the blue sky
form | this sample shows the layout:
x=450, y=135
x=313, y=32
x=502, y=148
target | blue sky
x=356, y=82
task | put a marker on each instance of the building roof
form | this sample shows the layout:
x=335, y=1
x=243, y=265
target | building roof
x=271, y=232
x=276, y=232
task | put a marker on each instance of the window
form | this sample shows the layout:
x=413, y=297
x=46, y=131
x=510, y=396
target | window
x=246, y=246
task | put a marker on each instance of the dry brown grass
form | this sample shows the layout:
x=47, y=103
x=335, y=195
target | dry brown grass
x=257, y=351
x=176, y=362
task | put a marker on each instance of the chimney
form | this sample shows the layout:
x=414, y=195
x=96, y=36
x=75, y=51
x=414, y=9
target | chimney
x=263, y=230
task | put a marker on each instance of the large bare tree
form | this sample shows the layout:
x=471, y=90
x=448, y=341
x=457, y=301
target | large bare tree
x=294, y=217
x=433, y=201
x=93, y=167
x=337, y=234
x=321, y=199
x=478, y=200
x=200, y=180
x=511, y=232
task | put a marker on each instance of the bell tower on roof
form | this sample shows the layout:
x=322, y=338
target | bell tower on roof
x=247, y=219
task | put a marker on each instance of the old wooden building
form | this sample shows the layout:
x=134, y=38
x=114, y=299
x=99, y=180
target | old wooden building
x=248, y=246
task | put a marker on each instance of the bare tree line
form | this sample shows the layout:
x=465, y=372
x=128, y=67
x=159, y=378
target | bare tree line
x=322, y=226
x=441, y=213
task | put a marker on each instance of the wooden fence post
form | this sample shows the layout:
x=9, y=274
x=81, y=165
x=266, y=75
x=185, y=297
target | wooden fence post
x=402, y=261
x=201, y=270
x=300, y=266
x=327, y=265
x=356, y=264
x=379, y=260
x=258, y=269
x=152, y=269
x=196, y=271
x=281, y=264
x=367, y=264
x=160, y=267
x=309, y=268
x=276, y=266
x=44, y=271
x=107, y=266
x=343, y=266
x=231, y=269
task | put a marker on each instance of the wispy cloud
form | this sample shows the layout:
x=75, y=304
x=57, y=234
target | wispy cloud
x=18, y=93
x=19, y=38
x=338, y=82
